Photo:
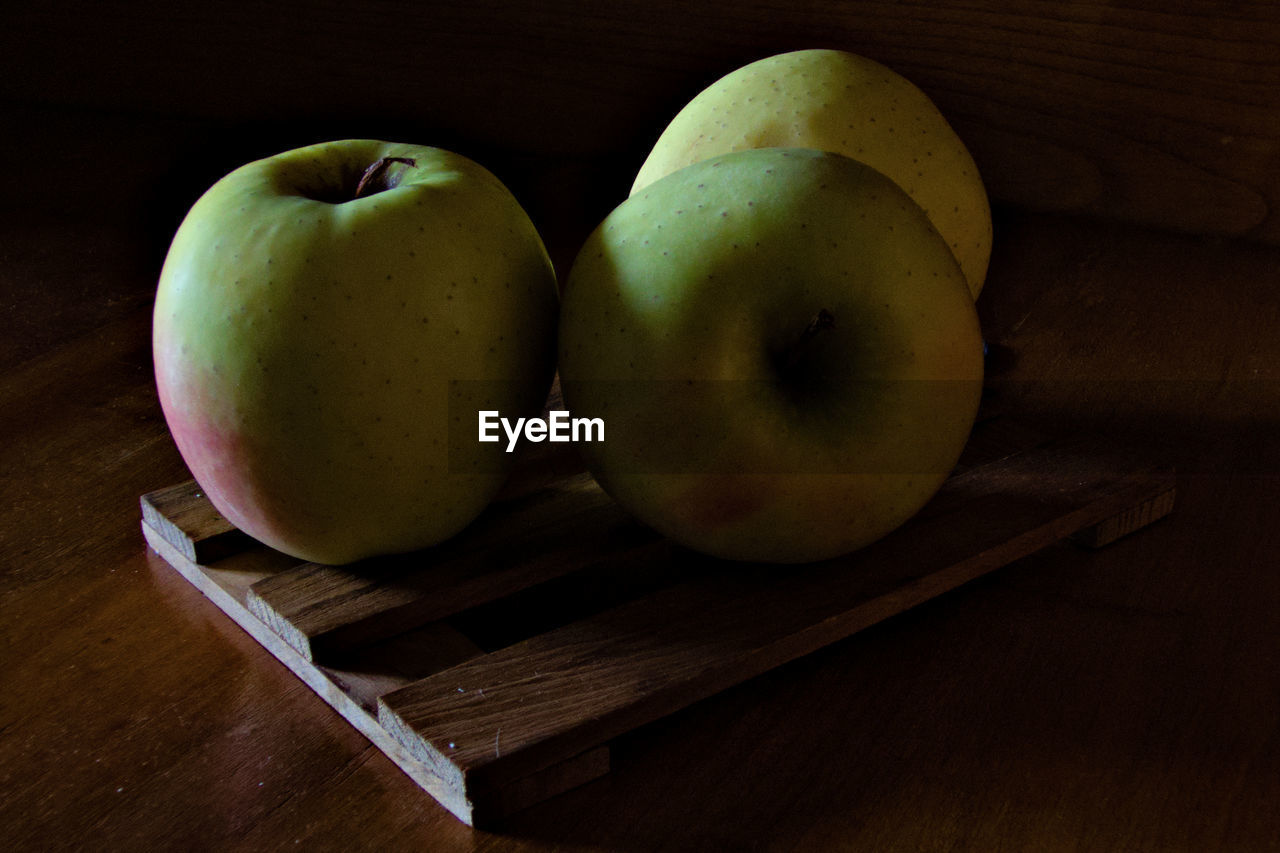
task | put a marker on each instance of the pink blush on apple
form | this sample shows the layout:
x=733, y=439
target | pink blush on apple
x=721, y=500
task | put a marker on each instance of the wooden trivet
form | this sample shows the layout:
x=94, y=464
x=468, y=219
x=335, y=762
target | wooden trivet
x=495, y=669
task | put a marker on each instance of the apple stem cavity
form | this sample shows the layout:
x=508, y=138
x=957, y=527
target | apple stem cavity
x=379, y=176
x=791, y=357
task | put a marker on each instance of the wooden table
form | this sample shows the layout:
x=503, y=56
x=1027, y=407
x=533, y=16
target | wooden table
x=1125, y=698
x=1120, y=699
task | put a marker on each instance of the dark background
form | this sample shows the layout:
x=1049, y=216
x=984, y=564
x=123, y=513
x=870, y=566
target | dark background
x=1151, y=112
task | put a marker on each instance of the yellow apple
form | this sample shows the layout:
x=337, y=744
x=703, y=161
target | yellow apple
x=783, y=350
x=328, y=323
x=838, y=101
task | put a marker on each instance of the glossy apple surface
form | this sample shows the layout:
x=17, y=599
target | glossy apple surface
x=785, y=353
x=838, y=101
x=312, y=348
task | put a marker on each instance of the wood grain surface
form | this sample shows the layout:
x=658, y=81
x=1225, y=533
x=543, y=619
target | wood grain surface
x=1119, y=699
x=1161, y=113
x=489, y=734
x=549, y=698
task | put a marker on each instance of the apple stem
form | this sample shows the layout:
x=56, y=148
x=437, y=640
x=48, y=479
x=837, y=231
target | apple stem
x=378, y=177
x=821, y=321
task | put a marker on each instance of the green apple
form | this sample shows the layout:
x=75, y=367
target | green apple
x=837, y=101
x=783, y=350
x=324, y=316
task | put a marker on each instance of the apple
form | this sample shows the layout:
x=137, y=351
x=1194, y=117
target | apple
x=784, y=352
x=838, y=101
x=327, y=324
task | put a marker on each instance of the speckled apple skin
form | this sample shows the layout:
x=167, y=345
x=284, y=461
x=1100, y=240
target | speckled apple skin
x=838, y=101
x=674, y=319
x=304, y=349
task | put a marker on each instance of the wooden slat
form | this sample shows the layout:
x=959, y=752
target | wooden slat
x=189, y=522
x=485, y=724
x=547, y=534
x=321, y=610
x=1128, y=520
